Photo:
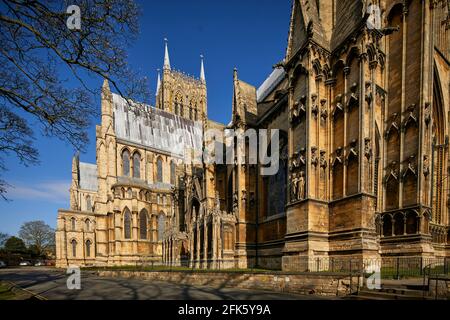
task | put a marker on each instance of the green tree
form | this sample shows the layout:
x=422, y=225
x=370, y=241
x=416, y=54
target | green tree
x=3, y=238
x=15, y=245
x=38, y=236
x=40, y=51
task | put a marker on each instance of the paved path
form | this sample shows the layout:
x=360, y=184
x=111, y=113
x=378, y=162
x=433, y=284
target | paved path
x=51, y=284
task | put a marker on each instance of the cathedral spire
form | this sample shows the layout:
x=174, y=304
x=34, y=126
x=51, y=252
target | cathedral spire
x=202, y=70
x=166, y=55
x=158, y=84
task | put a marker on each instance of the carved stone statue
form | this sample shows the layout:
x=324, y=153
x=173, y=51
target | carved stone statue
x=294, y=187
x=301, y=186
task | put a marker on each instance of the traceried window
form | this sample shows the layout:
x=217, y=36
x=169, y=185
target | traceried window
x=159, y=170
x=137, y=165
x=143, y=224
x=88, y=248
x=127, y=224
x=126, y=163
x=74, y=248
x=172, y=173
x=161, y=226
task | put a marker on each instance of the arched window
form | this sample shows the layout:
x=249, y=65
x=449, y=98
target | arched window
x=143, y=224
x=161, y=226
x=88, y=203
x=126, y=163
x=88, y=248
x=88, y=225
x=195, y=115
x=127, y=224
x=172, y=172
x=159, y=170
x=73, y=223
x=181, y=110
x=74, y=248
x=137, y=165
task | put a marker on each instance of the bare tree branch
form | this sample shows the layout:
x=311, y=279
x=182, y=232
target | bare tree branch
x=36, y=44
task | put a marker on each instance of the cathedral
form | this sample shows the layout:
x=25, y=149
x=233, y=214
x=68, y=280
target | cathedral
x=361, y=102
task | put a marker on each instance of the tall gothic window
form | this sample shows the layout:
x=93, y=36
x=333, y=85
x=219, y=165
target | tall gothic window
x=88, y=203
x=125, y=163
x=88, y=248
x=172, y=172
x=73, y=223
x=195, y=115
x=181, y=110
x=74, y=248
x=161, y=226
x=136, y=165
x=127, y=224
x=143, y=225
x=88, y=225
x=159, y=168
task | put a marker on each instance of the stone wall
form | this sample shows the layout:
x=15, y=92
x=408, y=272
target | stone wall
x=309, y=284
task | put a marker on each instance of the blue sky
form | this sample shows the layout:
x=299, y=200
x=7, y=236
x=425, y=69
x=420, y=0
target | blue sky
x=250, y=35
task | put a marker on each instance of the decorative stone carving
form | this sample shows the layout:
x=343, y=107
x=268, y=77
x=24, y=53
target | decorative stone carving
x=301, y=186
x=392, y=172
x=411, y=168
x=235, y=202
x=298, y=183
x=338, y=107
x=244, y=197
x=411, y=118
x=294, y=187
x=427, y=114
x=338, y=156
x=252, y=199
x=367, y=148
x=314, y=107
x=353, y=100
x=369, y=94
x=298, y=110
x=392, y=126
x=426, y=166
x=323, y=109
x=323, y=161
x=314, y=157
x=353, y=152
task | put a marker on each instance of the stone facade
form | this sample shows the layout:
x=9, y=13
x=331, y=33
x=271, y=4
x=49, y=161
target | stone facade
x=364, y=151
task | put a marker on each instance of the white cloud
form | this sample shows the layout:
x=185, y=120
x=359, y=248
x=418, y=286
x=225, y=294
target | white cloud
x=52, y=191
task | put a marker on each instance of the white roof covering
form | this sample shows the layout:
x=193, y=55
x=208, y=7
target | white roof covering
x=88, y=176
x=270, y=83
x=155, y=128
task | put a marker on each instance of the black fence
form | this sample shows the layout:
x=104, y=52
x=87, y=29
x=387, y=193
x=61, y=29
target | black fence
x=386, y=267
